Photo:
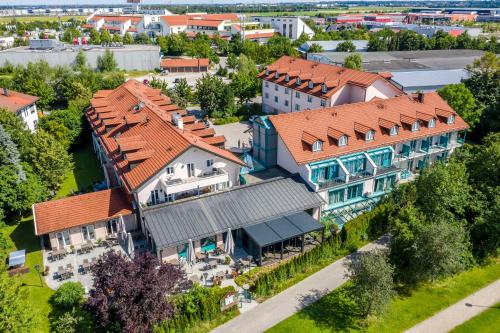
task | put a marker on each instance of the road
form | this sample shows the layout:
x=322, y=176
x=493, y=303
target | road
x=461, y=311
x=286, y=303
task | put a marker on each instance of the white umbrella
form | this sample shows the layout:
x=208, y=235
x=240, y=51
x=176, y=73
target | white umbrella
x=229, y=243
x=219, y=165
x=130, y=244
x=190, y=253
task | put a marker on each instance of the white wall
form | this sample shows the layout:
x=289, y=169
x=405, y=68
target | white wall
x=193, y=155
x=382, y=89
x=29, y=116
x=298, y=26
x=286, y=161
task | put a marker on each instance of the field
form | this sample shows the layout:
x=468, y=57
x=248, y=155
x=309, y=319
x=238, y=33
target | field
x=361, y=9
x=25, y=19
x=331, y=314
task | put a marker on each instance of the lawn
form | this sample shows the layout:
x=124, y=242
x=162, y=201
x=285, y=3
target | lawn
x=24, y=19
x=329, y=314
x=332, y=11
x=486, y=322
x=86, y=169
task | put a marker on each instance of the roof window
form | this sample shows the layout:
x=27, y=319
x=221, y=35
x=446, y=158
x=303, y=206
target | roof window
x=287, y=78
x=369, y=135
x=299, y=81
x=451, y=119
x=342, y=141
x=310, y=85
x=317, y=146
x=431, y=123
x=276, y=75
x=324, y=88
x=394, y=130
x=415, y=126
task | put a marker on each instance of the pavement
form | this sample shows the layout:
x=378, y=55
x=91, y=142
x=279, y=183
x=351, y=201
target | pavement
x=234, y=132
x=269, y=313
x=461, y=311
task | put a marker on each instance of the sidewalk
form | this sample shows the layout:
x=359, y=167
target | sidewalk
x=461, y=311
x=286, y=303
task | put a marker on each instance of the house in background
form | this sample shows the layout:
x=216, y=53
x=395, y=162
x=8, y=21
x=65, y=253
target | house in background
x=182, y=65
x=23, y=105
x=331, y=45
x=292, y=84
x=288, y=26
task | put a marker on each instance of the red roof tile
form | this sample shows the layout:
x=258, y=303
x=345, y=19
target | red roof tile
x=334, y=134
x=204, y=23
x=215, y=140
x=79, y=210
x=15, y=100
x=206, y=132
x=291, y=126
x=309, y=138
x=181, y=62
x=260, y=35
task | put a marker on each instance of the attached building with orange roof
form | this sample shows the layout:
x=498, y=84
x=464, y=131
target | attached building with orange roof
x=22, y=105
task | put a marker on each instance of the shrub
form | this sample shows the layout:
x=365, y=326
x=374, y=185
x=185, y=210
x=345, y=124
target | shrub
x=366, y=226
x=68, y=295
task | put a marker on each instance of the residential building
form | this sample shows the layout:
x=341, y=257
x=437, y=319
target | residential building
x=22, y=105
x=292, y=84
x=353, y=154
x=179, y=65
x=288, y=26
x=209, y=24
x=119, y=24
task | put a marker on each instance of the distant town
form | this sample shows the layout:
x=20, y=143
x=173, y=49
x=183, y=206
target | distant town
x=295, y=167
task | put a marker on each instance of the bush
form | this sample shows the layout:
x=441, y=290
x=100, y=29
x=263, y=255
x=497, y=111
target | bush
x=68, y=295
x=227, y=120
x=366, y=226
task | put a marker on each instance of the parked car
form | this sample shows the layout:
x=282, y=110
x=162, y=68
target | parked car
x=164, y=72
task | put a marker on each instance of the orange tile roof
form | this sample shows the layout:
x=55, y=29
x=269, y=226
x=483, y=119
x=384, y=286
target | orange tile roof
x=16, y=100
x=204, y=23
x=103, y=93
x=351, y=118
x=334, y=134
x=224, y=16
x=118, y=18
x=79, y=210
x=175, y=20
x=309, y=138
x=181, y=62
x=111, y=27
x=178, y=20
x=333, y=77
x=163, y=141
x=260, y=35
x=215, y=140
x=206, y=132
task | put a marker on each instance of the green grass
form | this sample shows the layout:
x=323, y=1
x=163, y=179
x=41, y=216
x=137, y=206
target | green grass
x=86, y=169
x=24, y=19
x=334, y=11
x=486, y=322
x=22, y=236
x=404, y=311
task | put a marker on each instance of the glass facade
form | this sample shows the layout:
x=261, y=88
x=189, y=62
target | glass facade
x=355, y=164
x=382, y=158
x=325, y=173
x=336, y=196
x=354, y=191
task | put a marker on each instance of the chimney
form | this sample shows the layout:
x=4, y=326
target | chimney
x=180, y=123
x=420, y=97
x=6, y=92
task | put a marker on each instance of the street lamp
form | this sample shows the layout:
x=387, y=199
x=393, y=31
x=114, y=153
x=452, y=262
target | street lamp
x=37, y=269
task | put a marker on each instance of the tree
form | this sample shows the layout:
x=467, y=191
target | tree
x=315, y=48
x=443, y=40
x=106, y=62
x=345, y=46
x=244, y=86
x=36, y=79
x=464, y=41
x=95, y=38
x=127, y=39
x=117, y=38
x=181, y=94
x=105, y=36
x=232, y=61
x=132, y=293
x=372, y=285
x=209, y=93
x=17, y=313
x=177, y=44
x=49, y=159
x=353, y=61
x=68, y=295
x=9, y=154
x=142, y=38
x=80, y=61
x=460, y=98
x=280, y=46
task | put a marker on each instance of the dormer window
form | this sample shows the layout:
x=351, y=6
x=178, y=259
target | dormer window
x=451, y=119
x=267, y=71
x=343, y=141
x=317, y=146
x=394, y=130
x=287, y=78
x=276, y=75
x=323, y=88
x=415, y=126
x=299, y=81
x=310, y=84
x=432, y=123
x=369, y=135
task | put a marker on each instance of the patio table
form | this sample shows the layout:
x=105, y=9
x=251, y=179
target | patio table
x=61, y=272
x=200, y=256
x=85, y=265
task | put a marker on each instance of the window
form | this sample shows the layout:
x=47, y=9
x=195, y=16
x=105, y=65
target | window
x=287, y=78
x=276, y=75
x=170, y=197
x=276, y=87
x=309, y=99
x=190, y=169
x=432, y=123
x=297, y=107
x=317, y=146
x=451, y=119
x=297, y=94
x=310, y=85
x=286, y=102
x=355, y=164
x=286, y=91
x=336, y=196
x=379, y=184
x=210, y=162
x=155, y=198
x=299, y=81
x=355, y=191
x=266, y=95
x=323, y=102
x=394, y=130
x=276, y=99
x=415, y=126
x=112, y=227
x=169, y=170
x=266, y=84
x=88, y=233
x=382, y=158
x=369, y=136
x=267, y=71
x=63, y=238
x=324, y=88
x=342, y=141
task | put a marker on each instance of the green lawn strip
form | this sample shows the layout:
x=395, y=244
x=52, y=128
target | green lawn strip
x=486, y=322
x=207, y=326
x=24, y=19
x=22, y=236
x=404, y=311
x=86, y=169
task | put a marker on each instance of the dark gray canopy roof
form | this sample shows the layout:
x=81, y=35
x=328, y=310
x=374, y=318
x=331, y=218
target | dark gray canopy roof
x=176, y=223
x=282, y=228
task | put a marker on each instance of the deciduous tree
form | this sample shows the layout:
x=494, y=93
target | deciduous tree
x=460, y=98
x=353, y=61
x=106, y=62
x=345, y=46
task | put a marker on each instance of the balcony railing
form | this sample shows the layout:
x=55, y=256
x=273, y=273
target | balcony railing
x=384, y=170
x=359, y=175
x=205, y=175
x=330, y=183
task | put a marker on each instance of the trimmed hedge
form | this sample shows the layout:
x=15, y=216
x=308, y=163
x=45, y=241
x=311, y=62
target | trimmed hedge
x=366, y=226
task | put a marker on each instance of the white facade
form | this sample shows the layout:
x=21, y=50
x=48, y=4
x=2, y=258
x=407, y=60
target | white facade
x=29, y=116
x=287, y=26
x=280, y=99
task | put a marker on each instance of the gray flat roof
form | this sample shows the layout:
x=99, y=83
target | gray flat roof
x=422, y=79
x=176, y=223
x=331, y=45
x=282, y=228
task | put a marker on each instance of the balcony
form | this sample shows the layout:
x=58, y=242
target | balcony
x=323, y=184
x=360, y=175
x=389, y=169
x=202, y=180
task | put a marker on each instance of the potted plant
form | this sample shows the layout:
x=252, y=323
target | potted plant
x=99, y=242
x=71, y=248
x=227, y=260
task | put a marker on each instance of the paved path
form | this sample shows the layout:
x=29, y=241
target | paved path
x=461, y=311
x=286, y=303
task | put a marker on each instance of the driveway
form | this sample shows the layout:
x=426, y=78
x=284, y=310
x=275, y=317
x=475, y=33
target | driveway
x=235, y=132
x=295, y=298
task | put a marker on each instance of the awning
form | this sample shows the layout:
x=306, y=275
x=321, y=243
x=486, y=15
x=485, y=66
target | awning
x=283, y=228
x=17, y=258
